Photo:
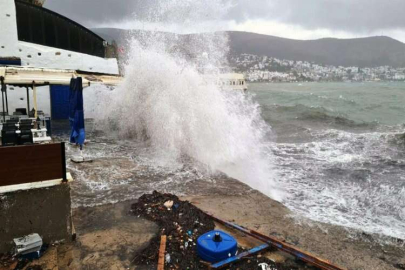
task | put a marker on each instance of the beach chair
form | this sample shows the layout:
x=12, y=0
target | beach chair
x=26, y=136
x=9, y=136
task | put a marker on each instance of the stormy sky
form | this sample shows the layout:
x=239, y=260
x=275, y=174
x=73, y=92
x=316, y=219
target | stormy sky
x=299, y=19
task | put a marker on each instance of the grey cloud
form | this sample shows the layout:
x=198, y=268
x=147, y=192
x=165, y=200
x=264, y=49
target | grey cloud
x=93, y=12
x=347, y=15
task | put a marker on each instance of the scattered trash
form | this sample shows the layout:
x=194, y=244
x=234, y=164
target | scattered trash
x=182, y=227
x=28, y=244
x=264, y=266
x=27, y=249
x=168, y=204
x=176, y=225
x=167, y=258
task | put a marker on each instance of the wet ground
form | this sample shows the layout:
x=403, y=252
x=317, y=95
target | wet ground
x=119, y=172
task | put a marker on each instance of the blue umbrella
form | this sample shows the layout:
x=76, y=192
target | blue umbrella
x=76, y=114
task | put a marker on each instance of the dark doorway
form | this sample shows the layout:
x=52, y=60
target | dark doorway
x=60, y=102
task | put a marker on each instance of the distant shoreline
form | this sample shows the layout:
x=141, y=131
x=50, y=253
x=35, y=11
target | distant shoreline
x=300, y=82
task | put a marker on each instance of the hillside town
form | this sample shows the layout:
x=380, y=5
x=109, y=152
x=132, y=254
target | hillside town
x=268, y=69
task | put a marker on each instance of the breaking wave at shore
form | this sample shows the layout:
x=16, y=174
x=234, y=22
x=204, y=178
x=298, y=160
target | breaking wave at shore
x=315, y=115
x=348, y=179
x=168, y=105
x=327, y=157
x=342, y=160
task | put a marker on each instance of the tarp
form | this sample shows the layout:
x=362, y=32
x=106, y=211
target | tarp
x=76, y=114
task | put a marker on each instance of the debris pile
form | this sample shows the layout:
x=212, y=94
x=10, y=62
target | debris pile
x=16, y=263
x=183, y=223
x=27, y=249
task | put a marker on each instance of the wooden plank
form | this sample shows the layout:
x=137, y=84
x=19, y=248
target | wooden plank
x=30, y=163
x=162, y=250
x=299, y=254
x=34, y=185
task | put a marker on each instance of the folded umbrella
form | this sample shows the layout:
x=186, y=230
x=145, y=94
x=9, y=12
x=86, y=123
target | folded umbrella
x=76, y=113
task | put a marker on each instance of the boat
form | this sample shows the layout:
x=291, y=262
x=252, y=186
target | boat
x=227, y=81
x=232, y=81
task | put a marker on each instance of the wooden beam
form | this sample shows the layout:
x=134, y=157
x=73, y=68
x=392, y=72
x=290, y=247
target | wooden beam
x=162, y=251
x=280, y=245
x=34, y=88
x=35, y=185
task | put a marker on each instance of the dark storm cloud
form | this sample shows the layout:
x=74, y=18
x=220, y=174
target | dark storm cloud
x=346, y=15
x=93, y=12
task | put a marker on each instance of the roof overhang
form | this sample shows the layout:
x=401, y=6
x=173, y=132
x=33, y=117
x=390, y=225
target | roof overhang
x=20, y=76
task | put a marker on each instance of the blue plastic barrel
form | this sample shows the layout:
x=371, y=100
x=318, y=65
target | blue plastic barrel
x=215, y=246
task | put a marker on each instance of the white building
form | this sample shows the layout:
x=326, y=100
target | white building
x=35, y=37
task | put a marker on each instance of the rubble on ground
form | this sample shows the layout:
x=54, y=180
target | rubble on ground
x=183, y=223
x=9, y=262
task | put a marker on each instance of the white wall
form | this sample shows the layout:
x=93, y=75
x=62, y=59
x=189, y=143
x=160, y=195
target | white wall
x=17, y=98
x=34, y=55
x=8, y=26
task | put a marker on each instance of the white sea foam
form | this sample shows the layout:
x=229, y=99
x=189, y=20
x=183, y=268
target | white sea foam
x=166, y=103
x=167, y=107
x=343, y=179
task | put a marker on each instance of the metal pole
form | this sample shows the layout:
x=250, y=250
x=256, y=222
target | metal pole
x=35, y=100
x=4, y=113
x=28, y=102
x=5, y=88
x=2, y=97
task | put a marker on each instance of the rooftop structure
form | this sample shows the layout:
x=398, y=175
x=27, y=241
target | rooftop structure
x=33, y=36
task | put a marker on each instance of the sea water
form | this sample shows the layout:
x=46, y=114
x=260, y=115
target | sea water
x=340, y=151
x=330, y=152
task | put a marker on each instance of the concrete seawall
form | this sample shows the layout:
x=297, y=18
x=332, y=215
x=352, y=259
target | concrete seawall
x=46, y=211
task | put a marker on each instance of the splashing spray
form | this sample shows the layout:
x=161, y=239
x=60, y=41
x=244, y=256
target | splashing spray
x=166, y=102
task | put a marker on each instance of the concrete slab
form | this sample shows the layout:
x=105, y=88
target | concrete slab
x=347, y=248
x=46, y=211
x=108, y=237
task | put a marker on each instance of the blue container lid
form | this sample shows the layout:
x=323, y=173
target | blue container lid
x=215, y=246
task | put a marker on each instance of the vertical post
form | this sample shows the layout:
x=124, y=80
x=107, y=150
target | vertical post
x=34, y=88
x=28, y=102
x=63, y=154
x=5, y=91
x=2, y=97
x=3, y=111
